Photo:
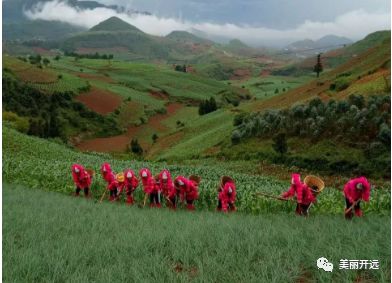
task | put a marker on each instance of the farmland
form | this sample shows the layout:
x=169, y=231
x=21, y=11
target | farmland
x=46, y=170
x=51, y=237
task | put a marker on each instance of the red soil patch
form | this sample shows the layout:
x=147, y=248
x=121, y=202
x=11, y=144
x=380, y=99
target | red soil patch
x=159, y=95
x=36, y=75
x=101, y=78
x=155, y=121
x=241, y=74
x=100, y=101
x=110, y=144
x=44, y=51
x=381, y=73
x=265, y=73
x=120, y=143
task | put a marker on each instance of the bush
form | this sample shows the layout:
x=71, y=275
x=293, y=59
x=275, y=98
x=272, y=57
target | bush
x=135, y=147
x=19, y=123
x=342, y=84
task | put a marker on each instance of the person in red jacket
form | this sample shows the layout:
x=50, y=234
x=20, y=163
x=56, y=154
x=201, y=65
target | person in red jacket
x=188, y=191
x=81, y=179
x=149, y=186
x=167, y=188
x=227, y=195
x=303, y=193
x=354, y=191
x=120, y=185
x=131, y=183
x=109, y=176
x=155, y=197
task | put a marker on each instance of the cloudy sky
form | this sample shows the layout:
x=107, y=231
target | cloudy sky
x=257, y=22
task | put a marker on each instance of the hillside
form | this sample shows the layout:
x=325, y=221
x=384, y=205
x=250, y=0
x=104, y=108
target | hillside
x=323, y=44
x=187, y=37
x=334, y=58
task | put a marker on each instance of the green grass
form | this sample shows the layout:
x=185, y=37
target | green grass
x=38, y=163
x=265, y=87
x=68, y=82
x=49, y=237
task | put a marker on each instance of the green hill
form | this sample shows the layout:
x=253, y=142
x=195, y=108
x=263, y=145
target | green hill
x=334, y=58
x=187, y=37
x=114, y=24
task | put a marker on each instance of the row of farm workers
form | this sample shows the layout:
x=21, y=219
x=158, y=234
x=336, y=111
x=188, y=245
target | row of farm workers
x=185, y=190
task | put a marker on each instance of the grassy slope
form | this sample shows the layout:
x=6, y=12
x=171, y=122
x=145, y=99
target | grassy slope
x=50, y=237
x=355, y=72
x=41, y=164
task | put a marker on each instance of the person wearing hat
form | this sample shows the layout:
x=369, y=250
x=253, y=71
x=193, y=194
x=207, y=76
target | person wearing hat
x=227, y=195
x=354, y=191
x=148, y=185
x=120, y=184
x=188, y=191
x=303, y=193
x=131, y=183
x=110, y=178
x=167, y=188
x=81, y=178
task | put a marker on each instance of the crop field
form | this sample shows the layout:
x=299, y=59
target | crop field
x=47, y=163
x=54, y=238
x=263, y=87
x=64, y=83
x=102, y=102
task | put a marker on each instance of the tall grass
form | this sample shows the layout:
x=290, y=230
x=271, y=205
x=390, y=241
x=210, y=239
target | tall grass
x=49, y=237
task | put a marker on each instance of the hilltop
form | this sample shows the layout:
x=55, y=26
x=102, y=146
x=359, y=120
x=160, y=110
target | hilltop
x=114, y=24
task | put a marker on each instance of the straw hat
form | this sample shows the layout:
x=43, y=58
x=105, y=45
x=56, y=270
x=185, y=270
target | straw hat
x=195, y=179
x=90, y=172
x=314, y=183
x=120, y=177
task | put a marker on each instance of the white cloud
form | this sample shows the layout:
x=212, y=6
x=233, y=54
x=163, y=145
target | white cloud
x=355, y=24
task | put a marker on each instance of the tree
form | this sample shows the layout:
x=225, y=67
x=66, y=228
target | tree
x=318, y=68
x=280, y=143
x=135, y=147
x=154, y=138
x=46, y=62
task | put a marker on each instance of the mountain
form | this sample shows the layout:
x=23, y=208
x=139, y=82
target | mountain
x=187, y=37
x=323, y=44
x=114, y=24
x=116, y=34
x=17, y=26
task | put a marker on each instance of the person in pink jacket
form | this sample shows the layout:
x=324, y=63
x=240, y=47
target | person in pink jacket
x=167, y=188
x=81, y=179
x=109, y=177
x=227, y=196
x=149, y=187
x=303, y=193
x=131, y=183
x=188, y=191
x=354, y=191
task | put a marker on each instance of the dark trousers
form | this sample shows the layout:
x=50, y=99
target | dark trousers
x=86, y=191
x=302, y=209
x=219, y=207
x=171, y=202
x=349, y=214
x=154, y=198
x=113, y=193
